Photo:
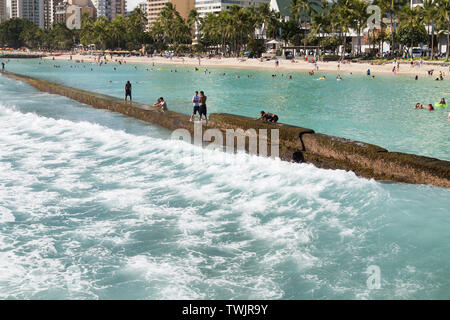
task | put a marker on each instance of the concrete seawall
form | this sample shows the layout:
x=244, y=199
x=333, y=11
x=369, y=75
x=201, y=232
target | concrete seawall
x=295, y=143
x=20, y=56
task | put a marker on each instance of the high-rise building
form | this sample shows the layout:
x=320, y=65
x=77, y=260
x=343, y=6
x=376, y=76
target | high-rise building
x=49, y=12
x=32, y=10
x=70, y=12
x=154, y=8
x=110, y=8
x=3, y=12
x=118, y=7
x=204, y=7
x=143, y=7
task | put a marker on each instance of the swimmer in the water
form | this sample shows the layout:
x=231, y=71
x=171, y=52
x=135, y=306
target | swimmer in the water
x=430, y=107
x=418, y=106
x=442, y=101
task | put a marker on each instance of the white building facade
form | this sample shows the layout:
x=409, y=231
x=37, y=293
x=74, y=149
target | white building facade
x=204, y=7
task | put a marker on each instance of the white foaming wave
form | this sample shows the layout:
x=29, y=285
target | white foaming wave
x=6, y=215
x=169, y=277
x=270, y=200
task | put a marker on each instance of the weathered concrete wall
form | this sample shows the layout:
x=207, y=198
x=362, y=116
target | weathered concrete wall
x=20, y=56
x=295, y=143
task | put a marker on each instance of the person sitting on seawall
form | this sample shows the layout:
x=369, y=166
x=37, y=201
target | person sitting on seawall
x=430, y=107
x=161, y=104
x=270, y=117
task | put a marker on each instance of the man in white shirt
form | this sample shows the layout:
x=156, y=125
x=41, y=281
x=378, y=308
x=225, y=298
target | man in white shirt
x=196, y=103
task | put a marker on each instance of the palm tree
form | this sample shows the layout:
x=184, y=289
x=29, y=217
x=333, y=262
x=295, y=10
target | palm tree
x=411, y=18
x=360, y=16
x=443, y=14
x=344, y=16
x=429, y=14
x=302, y=11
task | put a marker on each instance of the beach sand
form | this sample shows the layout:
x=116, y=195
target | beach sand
x=284, y=65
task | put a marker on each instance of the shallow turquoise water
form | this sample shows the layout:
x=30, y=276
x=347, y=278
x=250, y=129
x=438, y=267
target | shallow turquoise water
x=100, y=206
x=376, y=110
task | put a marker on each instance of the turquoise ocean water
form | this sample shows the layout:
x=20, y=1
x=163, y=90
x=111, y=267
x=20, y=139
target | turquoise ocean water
x=97, y=205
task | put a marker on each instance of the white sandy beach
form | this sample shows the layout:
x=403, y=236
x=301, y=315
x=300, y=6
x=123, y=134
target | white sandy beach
x=284, y=65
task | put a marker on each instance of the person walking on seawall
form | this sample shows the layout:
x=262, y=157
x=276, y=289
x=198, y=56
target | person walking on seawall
x=196, y=102
x=128, y=90
x=202, y=109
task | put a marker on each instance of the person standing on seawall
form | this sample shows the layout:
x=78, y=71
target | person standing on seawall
x=202, y=109
x=196, y=102
x=128, y=90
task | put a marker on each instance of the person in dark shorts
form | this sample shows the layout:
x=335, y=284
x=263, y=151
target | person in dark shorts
x=128, y=90
x=196, y=102
x=202, y=109
x=270, y=117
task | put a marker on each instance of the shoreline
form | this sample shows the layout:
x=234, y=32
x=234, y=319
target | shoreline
x=284, y=65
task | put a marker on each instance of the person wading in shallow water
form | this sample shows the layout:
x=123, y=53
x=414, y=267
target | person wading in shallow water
x=128, y=90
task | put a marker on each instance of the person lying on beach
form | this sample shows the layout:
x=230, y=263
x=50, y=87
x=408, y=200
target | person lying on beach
x=270, y=117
